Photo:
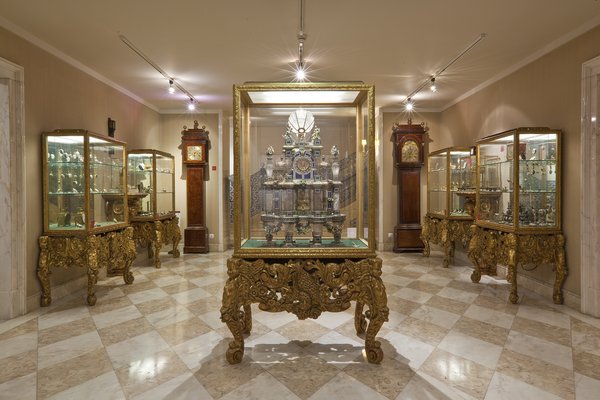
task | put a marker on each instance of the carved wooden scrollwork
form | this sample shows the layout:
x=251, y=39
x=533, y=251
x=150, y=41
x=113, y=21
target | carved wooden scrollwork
x=306, y=288
x=446, y=233
x=154, y=234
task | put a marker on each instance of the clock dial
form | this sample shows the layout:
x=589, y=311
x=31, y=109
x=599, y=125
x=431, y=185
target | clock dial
x=410, y=152
x=194, y=153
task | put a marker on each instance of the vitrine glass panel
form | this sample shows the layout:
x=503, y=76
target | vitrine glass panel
x=304, y=169
x=151, y=184
x=438, y=183
x=462, y=183
x=84, y=182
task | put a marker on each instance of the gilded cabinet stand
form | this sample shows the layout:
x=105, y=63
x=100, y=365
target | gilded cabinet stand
x=490, y=247
x=445, y=232
x=155, y=234
x=306, y=288
x=91, y=252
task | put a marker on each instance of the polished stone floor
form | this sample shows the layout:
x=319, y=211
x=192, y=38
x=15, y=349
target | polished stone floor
x=161, y=338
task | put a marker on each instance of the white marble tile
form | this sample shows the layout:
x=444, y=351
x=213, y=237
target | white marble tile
x=18, y=344
x=147, y=295
x=264, y=386
x=435, y=316
x=490, y=316
x=23, y=388
x=62, y=317
x=183, y=387
x=202, y=348
x=189, y=296
x=273, y=320
x=503, y=387
x=213, y=319
x=269, y=349
x=332, y=320
x=394, y=319
x=426, y=387
x=336, y=349
x=398, y=280
x=550, y=352
x=435, y=279
x=585, y=342
x=345, y=387
x=103, y=387
x=208, y=280
x=458, y=295
x=586, y=388
x=473, y=349
x=68, y=348
x=410, y=350
x=169, y=316
x=135, y=349
x=115, y=317
x=417, y=268
x=545, y=316
x=169, y=280
x=413, y=295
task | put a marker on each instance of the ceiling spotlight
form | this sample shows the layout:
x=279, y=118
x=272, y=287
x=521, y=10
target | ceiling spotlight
x=191, y=105
x=171, y=88
x=300, y=72
x=409, y=105
x=432, y=85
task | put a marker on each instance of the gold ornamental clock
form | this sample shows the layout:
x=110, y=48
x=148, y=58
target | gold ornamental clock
x=195, y=146
x=409, y=156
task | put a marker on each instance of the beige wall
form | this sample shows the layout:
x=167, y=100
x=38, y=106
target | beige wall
x=58, y=95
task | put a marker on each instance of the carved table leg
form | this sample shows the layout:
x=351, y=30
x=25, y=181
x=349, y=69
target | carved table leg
x=511, y=277
x=176, y=236
x=42, y=272
x=378, y=312
x=233, y=316
x=445, y=242
x=474, y=253
x=425, y=237
x=247, y=319
x=93, y=244
x=360, y=322
x=561, y=269
x=131, y=253
x=158, y=229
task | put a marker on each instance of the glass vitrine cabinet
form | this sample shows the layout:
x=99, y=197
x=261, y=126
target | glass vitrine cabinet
x=451, y=181
x=304, y=207
x=151, y=194
x=84, y=207
x=518, y=213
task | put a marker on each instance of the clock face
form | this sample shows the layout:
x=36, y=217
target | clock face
x=195, y=153
x=410, y=152
x=302, y=167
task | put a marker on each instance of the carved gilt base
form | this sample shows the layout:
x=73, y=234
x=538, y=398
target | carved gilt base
x=446, y=233
x=92, y=252
x=489, y=247
x=306, y=288
x=153, y=235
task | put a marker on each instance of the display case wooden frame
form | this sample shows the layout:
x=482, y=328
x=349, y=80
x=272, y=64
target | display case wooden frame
x=521, y=223
x=151, y=186
x=306, y=277
x=451, y=181
x=84, y=207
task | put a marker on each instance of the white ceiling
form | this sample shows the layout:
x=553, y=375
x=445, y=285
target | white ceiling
x=207, y=46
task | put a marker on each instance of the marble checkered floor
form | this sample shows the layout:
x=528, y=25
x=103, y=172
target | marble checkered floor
x=161, y=338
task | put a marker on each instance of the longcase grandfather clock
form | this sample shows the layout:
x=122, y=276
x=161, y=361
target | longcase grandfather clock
x=195, y=146
x=409, y=156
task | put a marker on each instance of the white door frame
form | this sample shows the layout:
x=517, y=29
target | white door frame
x=13, y=277
x=590, y=188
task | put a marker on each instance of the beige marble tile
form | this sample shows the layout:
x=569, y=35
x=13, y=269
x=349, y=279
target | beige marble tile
x=457, y=294
x=422, y=330
x=585, y=337
x=481, y=330
x=479, y=351
x=180, y=332
x=425, y=387
x=182, y=387
x=549, y=377
x=425, y=286
x=402, y=306
x=550, y=316
x=66, y=349
x=195, y=274
x=446, y=304
x=112, y=304
x=65, y=331
x=343, y=386
x=505, y=387
x=26, y=327
x=435, y=316
x=219, y=377
x=496, y=304
x=406, y=273
x=541, y=330
x=149, y=372
x=387, y=378
x=179, y=287
x=445, y=272
x=159, y=273
x=586, y=388
x=23, y=388
x=139, y=287
x=490, y=316
x=412, y=295
x=156, y=305
x=303, y=373
x=17, y=366
x=125, y=330
x=261, y=387
x=115, y=317
x=215, y=289
x=550, y=352
x=466, y=286
x=468, y=376
x=302, y=331
x=587, y=364
x=103, y=387
x=72, y=372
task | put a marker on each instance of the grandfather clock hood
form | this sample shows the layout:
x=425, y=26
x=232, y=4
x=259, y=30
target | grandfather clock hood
x=194, y=137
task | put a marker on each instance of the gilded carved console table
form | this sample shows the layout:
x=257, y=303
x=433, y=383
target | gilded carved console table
x=156, y=233
x=91, y=251
x=489, y=247
x=445, y=232
x=306, y=288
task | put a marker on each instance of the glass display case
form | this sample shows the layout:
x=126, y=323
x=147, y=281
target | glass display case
x=150, y=184
x=83, y=183
x=519, y=180
x=451, y=183
x=304, y=155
